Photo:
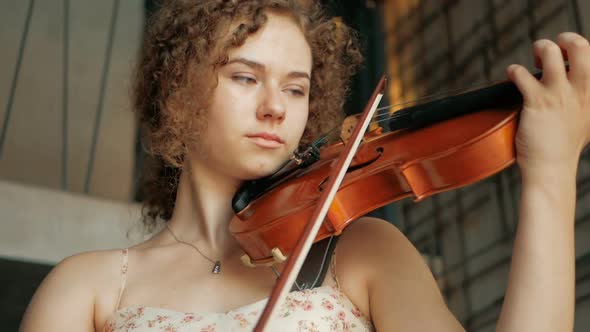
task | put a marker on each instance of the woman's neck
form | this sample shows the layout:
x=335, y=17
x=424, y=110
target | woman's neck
x=203, y=209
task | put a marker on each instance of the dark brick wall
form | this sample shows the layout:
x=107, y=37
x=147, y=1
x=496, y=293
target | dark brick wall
x=443, y=45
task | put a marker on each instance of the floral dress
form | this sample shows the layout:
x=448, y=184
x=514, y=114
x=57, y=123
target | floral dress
x=324, y=308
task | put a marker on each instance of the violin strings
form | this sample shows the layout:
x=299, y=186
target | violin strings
x=386, y=116
x=446, y=93
x=382, y=117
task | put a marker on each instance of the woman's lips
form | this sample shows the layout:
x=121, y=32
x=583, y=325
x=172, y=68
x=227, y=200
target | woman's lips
x=266, y=140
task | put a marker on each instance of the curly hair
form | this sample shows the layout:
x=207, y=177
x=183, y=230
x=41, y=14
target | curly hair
x=176, y=75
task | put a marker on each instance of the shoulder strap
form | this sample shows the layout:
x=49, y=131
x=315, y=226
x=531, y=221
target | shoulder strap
x=124, y=267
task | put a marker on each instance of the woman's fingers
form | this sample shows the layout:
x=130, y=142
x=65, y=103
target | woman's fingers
x=577, y=50
x=528, y=85
x=552, y=62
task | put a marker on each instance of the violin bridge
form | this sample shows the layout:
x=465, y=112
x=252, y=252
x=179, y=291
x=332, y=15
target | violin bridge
x=347, y=127
x=351, y=121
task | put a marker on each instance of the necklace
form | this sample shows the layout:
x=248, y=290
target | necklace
x=216, y=264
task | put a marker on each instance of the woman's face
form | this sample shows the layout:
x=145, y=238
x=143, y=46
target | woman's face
x=259, y=108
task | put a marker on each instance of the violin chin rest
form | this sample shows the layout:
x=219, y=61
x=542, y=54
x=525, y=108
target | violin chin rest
x=277, y=254
x=277, y=258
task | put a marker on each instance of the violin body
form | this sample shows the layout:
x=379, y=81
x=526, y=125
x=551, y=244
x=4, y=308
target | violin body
x=387, y=167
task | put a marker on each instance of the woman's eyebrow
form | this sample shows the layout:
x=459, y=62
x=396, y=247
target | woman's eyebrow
x=256, y=65
x=260, y=67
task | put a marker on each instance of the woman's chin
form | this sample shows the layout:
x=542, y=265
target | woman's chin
x=260, y=171
x=256, y=174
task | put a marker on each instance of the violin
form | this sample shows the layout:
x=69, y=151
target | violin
x=433, y=147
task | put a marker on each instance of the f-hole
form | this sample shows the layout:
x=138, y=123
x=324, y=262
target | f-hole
x=351, y=169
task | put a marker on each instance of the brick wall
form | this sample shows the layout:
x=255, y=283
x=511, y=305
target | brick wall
x=467, y=234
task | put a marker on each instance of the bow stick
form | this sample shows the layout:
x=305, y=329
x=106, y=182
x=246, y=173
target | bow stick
x=295, y=260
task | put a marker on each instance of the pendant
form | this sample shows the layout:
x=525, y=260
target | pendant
x=216, y=268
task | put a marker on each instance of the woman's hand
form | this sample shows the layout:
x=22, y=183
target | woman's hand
x=554, y=128
x=555, y=120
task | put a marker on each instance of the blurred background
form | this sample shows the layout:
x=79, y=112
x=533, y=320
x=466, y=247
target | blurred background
x=69, y=153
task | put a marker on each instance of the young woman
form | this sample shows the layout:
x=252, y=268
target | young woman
x=227, y=90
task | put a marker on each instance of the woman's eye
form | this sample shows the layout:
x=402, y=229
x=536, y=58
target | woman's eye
x=297, y=92
x=244, y=79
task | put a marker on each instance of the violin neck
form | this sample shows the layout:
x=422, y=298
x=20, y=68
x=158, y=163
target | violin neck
x=497, y=96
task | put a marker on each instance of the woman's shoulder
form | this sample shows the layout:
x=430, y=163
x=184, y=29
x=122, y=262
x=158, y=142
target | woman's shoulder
x=370, y=239
x=371, y=244
x=75, y=287
x=363, y=247
x=86, y=269
x=90, y=267
x=393, y=274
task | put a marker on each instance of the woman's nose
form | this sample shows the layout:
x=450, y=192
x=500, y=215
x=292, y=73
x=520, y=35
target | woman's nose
x=272, y=106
